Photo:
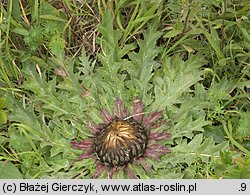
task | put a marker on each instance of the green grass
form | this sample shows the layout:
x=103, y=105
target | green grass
x=61, y=62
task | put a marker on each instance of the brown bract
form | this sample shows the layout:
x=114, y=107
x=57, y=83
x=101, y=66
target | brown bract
x=120, y=142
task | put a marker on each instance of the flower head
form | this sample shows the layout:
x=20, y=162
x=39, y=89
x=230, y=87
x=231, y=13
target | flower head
x=124, y=139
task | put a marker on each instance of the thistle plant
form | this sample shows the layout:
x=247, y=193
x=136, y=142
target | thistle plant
x=153, y=101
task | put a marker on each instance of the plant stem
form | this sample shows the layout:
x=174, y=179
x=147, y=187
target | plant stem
x=234, y=142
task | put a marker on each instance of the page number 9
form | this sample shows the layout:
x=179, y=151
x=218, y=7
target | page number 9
x=243, y=187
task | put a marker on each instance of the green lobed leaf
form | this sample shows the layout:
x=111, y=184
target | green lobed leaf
x=197, y=148
x=9, y=171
